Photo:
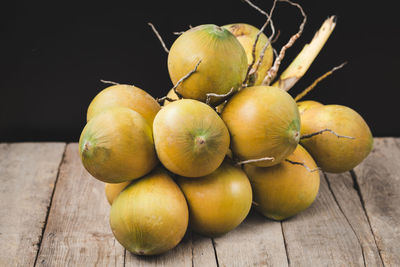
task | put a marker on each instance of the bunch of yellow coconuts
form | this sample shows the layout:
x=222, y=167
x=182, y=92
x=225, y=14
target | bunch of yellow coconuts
x=216, y=148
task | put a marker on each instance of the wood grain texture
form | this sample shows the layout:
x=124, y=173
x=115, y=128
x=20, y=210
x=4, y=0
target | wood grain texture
x=180, y=256
x=78, y=231
x=378, y=179
x=28, y=172
x=256, y=242
x=321, y=235
x=348, y=199
x=203, y=251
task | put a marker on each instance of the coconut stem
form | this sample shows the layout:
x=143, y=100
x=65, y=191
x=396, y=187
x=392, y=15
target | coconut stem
x=322, y=131
x=184, y=78
x=302, y=164
x=309, y=88
x=209, y=95
x=274, y=69
x=255, y=160
x=159, y=37
x=109, y=82
x=304, y=59
x=269, y=21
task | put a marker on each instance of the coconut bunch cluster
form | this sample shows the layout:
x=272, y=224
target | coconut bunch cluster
x=226, y=139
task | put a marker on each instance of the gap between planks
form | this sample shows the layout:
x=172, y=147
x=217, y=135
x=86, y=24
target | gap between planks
x=49, y=206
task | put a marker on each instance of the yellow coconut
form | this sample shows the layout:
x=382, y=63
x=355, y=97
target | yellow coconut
x=191, y=139
x=246, y=35
x=112, y=190
x=284, y=190
x=218, y=202
x=306, y=105
x=263, y=122
x=117, y=146
x=123, y=95
x=331, y=153
x=223, y=62
x=151, y=215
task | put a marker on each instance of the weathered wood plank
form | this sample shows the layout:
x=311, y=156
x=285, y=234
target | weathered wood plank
x=180, y=256
x=28, y=172
x=256, y=242
x=78, y=231
x=203, y=251
x=348, y=199
x=321, y=235
x=378, y=179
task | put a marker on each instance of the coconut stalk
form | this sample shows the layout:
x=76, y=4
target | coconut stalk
x=304, y=59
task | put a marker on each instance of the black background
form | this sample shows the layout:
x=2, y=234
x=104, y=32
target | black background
x=53, y=54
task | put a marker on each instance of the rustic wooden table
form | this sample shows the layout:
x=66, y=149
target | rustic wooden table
x=52, y=213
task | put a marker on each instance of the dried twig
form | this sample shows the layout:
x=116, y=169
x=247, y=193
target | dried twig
x=322, y=131
x=304, y=59
x=255, y=160
x=109, y=82
x=276, y=37
x=159, y=37
x=303, y=164
x=269, y=21
x=184, y=78
x=161, y=99
x=309, y=88
x=274, y=69
x=209, y=95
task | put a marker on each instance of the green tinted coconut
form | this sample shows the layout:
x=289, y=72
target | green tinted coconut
x=191, y=140
x=218, y=202
x=223, y=62
x=263, y=122
x=150, y=216
x=117, y=146
x=283, y=190
x=332, y=153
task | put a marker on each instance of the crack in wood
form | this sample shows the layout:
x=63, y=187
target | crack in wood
x=356, y=187
x=50, y=203
x=285, y=244
x=344, y=215
x=215, y=251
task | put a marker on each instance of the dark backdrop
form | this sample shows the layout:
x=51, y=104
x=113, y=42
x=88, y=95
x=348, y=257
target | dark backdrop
x=53, y=54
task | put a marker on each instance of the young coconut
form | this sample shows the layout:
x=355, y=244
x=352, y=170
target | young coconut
x=335, y=153
x=112, y=190
x=307, y=104
x=264, y=122
x=246, y=35
x=218, y=202
x=286, y=189
x=123, y=95
x=117, y=146
x=223, y=62
x=150, y=216
x=191, y=139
